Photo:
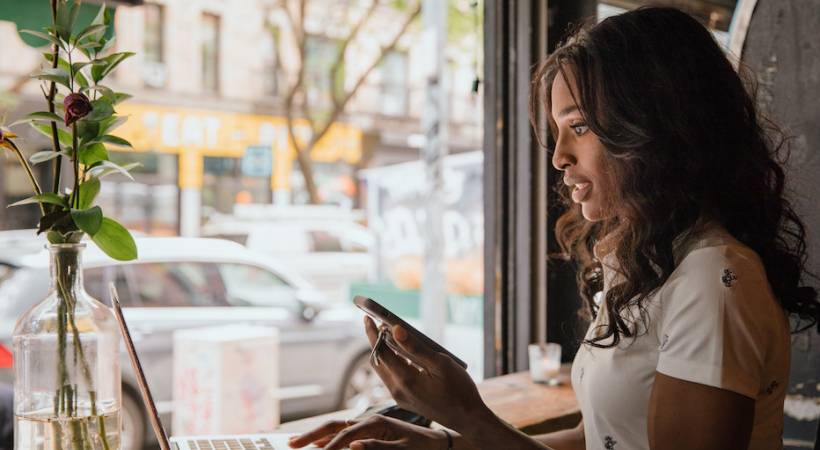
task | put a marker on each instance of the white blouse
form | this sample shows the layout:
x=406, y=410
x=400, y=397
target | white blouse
x=715, y=322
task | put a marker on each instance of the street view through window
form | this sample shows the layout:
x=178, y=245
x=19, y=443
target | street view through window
x=286, y=156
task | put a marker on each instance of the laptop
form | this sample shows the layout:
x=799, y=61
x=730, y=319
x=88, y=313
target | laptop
x=267, y=441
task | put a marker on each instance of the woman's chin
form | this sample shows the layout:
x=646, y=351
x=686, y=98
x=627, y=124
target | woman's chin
x=591, y=212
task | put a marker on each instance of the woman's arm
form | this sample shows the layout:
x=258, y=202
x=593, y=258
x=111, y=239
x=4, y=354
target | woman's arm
x=723, y=419
x=570, y=439
x=483, y=430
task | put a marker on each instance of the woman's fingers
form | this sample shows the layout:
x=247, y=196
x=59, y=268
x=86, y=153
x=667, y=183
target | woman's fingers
x=375, y=444
x=375, y=426
x=371, y=330
x=412, y=345
x=324, y=431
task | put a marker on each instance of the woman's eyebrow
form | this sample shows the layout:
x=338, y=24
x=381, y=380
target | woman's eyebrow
x=567, y=110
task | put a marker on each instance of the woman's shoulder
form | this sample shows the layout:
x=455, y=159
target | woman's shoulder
x=714, y=265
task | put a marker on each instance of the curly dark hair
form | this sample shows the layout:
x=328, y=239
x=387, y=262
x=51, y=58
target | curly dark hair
x=684, y=140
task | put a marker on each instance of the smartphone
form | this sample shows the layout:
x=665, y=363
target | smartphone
x=383, y=315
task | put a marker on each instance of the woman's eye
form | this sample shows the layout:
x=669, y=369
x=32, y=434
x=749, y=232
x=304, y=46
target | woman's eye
x=579, y=128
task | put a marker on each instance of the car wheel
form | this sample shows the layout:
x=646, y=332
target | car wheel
x=133, y=423
x=362, y=387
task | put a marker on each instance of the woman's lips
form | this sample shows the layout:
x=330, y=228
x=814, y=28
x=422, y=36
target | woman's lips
x=580, y=191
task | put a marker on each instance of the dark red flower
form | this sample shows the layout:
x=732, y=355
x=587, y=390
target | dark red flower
x=77, y=106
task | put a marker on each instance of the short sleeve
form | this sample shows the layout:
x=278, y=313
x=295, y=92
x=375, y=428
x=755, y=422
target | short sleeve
x=718, y=320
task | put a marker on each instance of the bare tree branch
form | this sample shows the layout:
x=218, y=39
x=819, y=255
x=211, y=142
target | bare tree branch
x=303, y=152
x=343, y=48
x=300, y=73
x=338, y=109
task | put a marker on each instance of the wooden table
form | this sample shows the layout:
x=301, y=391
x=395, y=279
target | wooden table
x=530, y=407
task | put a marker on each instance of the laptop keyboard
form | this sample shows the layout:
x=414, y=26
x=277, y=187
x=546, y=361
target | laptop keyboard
x=230, y=444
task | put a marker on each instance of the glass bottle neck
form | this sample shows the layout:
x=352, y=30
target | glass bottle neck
x=66, y=268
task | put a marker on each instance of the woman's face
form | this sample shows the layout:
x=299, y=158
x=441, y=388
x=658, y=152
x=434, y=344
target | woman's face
x=578, y=152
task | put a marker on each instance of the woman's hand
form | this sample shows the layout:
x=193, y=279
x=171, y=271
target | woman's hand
x=443, y=392
x=374, y=433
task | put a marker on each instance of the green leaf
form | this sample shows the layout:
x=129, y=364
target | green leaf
x=87, y=130
x=79, y=65
x=66, y=16
x=115, y=240
x=93, y=153
x=88, y=45
x=101, y=109
x=38, y=116
x=90, y=31
x=104, y=66
x=45, y=115
x=106, y=168
x=81, y=79
x=44, y=36
x=120, y=97
x=45, y=197
x=88, y=192
x=102, y=17
x=88, y=220
x=111, y=139
x=46, y=155
x=112, y=123
x=106, y=91
x=63, y=136
x=58, y=75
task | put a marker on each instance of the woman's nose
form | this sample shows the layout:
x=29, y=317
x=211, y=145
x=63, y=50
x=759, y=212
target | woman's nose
x=561, y=158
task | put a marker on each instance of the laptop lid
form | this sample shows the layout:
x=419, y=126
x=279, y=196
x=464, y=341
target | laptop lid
x=145, y=391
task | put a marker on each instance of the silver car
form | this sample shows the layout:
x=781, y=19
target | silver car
x=182, y=283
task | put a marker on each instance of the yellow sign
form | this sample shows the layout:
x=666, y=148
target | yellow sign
x=195, y=133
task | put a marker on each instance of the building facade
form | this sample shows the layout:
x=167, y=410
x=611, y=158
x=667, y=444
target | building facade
x=208, y=120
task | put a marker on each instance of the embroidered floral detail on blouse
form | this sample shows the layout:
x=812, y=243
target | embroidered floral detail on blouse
x=772, y=387
x=609, y=443
x=728, y=277
x=664, y=342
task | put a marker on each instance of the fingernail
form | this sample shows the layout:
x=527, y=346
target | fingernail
x=399, y=333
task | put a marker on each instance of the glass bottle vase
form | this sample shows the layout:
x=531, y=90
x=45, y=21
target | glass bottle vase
x=67, y=392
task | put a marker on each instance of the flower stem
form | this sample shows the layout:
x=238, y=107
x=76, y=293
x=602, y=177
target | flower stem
x=52, y=93
x=27, y=168
x=66, y=276
x=75, y=195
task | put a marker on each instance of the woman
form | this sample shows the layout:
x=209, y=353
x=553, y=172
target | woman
x=690, y=258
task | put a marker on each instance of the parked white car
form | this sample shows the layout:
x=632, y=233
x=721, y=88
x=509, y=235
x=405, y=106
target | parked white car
x=329, y=254
x=180, y=283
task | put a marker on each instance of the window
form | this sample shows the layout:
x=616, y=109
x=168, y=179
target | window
x=153, y=37
x=210, y=53
x=226, y=183
x=153, y=44
x=176, y=284
x=320, y=55
x=272, y=66
x=394, y=83
x=323, y=241
x=150, y=203
x=96, y=281
x=248, y=285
